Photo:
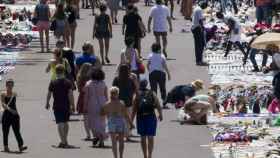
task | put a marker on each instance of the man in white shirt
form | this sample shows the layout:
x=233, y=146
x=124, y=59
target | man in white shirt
x=198, y=33
x=161, y=16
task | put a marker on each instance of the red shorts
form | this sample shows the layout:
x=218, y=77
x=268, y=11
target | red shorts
x=43, y=25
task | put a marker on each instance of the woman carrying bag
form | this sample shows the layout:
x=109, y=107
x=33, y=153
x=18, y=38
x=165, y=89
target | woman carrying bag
x=11, y=117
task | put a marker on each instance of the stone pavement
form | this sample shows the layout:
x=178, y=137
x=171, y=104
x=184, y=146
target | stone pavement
x=39, y=129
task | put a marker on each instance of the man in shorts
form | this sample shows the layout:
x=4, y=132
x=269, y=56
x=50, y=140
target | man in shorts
x=63, y=104
x=161, y=16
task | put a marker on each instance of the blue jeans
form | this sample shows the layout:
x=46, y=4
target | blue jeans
x=263, y=14
x=253, y=53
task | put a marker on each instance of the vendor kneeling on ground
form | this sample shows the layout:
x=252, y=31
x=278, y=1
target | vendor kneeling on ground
x=197, y=108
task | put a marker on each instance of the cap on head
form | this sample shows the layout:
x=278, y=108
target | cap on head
x=198, y=84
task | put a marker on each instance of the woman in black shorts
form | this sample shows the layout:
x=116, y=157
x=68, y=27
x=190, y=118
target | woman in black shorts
x=102, y=30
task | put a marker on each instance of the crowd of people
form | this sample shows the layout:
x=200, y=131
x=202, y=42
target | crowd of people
x=128, y=97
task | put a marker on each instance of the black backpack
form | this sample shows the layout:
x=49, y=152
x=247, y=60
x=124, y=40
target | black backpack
x=146, y=103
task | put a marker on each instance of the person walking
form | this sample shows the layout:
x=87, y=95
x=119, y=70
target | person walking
x=127, y=86
x=61, y=23
x=11, y=116
x=88, y=56
x=198, y=33
x=82, y=79
x=144, y=106
x=157, y=71
x=96, y=96
x=133, y=27
x=129, y=56
x=161, y=16
x=264, y=11
x=72, y=23
x=102, y=30
x=63, y=104
x=171, y=7
x=42, y=15
x=114, y=7
x=58, y=59
x=117, y=116
x=186, y=9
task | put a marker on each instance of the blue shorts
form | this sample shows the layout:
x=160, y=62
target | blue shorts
x=147, y=125
x=61, y=116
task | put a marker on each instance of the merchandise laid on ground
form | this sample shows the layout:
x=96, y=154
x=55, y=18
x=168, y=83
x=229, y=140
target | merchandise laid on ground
x=245, y=127
x=17, y=33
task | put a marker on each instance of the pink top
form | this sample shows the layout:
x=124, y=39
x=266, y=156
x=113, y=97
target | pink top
x=274, y=106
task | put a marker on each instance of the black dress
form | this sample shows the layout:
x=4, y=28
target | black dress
x=102, y=26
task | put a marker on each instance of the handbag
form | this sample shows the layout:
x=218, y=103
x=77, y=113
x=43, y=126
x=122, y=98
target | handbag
x=53, y=25
x=141, y=68
x=34, y=20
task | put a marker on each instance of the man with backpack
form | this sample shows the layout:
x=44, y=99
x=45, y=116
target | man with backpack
x=144, y=106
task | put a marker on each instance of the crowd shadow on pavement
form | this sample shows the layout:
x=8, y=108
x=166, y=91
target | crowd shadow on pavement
x=105, y=147
x=68, y=148
x=14, y=152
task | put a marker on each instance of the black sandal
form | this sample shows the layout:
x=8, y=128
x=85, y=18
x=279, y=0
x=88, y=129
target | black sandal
x=107, y=60
x=22, y=148
x=95, y=141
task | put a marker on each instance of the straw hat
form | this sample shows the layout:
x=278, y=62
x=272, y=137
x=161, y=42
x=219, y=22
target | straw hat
x=198, y=84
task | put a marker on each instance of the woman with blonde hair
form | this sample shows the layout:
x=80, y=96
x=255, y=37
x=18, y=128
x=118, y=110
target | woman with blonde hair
x=117, y=116
x=83, y=77
x=181, y=93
